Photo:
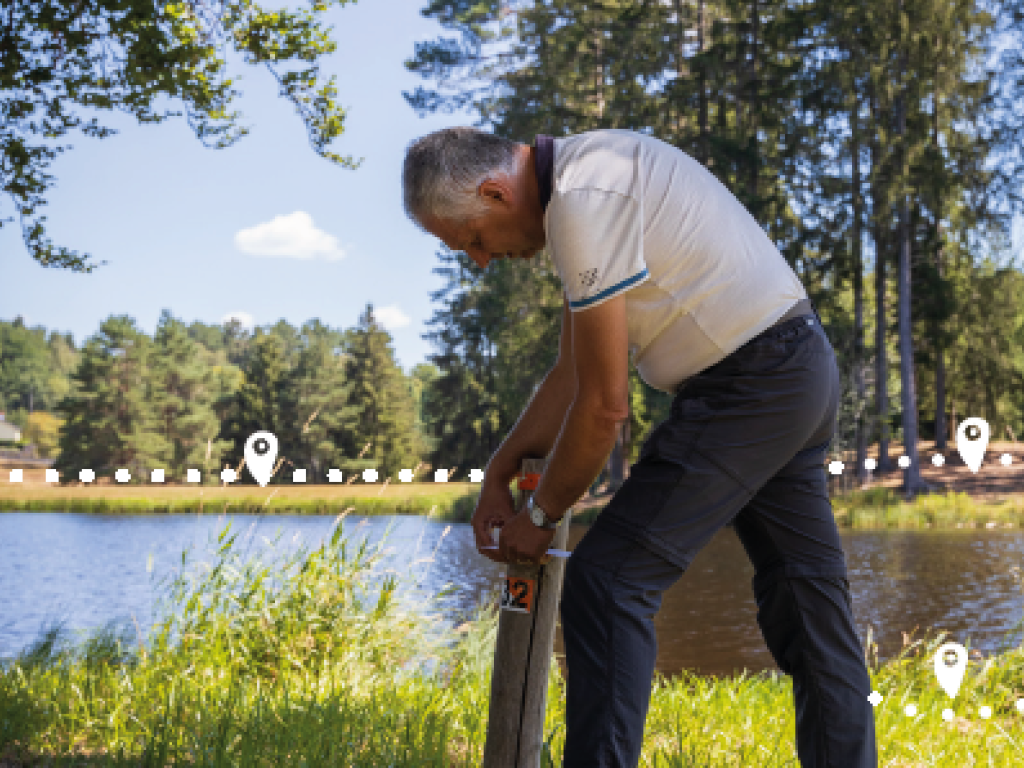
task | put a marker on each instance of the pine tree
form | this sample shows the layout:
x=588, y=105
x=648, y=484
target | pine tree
x=384, y=414
x=184, y=389
x=109, y=421
x=318, y=404
x=258, y=403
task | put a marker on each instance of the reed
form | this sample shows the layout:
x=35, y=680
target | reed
x=310, y=660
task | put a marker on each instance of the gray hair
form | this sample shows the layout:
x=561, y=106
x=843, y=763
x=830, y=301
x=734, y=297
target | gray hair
x=444, y=169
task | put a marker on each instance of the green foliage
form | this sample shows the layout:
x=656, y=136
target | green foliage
x=109, y=420
x=35, y=368
x=318, y=413
x=58, y=57
x=497, y=337
x=42, y=430
x=184, y=392
x=382, y=405
x=259, y=401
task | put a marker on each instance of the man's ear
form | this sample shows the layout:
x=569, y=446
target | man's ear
x=494, y=190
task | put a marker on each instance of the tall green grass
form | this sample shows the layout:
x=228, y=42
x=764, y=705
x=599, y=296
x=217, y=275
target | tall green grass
x=308, y=659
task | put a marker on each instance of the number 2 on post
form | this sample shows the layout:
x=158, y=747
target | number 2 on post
x=517, y=594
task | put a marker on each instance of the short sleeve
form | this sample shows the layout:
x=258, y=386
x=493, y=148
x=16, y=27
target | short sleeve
x=596, y=243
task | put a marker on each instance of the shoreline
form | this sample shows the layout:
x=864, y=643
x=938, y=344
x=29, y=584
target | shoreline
x=872, y=509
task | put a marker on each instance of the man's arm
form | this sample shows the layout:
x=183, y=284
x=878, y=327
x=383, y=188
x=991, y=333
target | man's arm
x=600, y=343
x=537, y=429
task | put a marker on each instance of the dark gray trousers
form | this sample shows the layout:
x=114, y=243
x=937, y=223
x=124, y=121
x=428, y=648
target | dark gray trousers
x=744, y=446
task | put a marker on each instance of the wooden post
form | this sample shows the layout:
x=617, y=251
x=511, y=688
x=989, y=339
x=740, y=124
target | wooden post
x=523, y=650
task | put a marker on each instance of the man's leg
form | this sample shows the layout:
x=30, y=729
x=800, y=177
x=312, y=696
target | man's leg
x=732, y=429
x=611, y=592
x=806, y=614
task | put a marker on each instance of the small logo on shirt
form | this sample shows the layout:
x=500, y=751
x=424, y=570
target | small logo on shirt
x=588, y=278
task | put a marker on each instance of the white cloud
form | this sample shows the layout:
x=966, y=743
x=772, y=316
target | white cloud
x=292, y=236
x=246, y=320
x=391, y=317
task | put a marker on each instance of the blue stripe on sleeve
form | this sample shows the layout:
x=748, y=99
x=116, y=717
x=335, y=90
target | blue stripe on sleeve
x=609, y=291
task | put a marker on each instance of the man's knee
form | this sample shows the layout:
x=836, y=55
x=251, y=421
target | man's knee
x=807, y=619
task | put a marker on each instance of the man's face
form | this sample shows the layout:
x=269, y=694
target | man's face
x=507, y=230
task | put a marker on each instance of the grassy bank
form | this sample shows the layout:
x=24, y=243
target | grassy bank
x=310, y=661
x=448, y=501
x=885, y=508
x=869, y=509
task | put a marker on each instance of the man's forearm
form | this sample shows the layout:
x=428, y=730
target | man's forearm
x=581, y=450
x=535, y=432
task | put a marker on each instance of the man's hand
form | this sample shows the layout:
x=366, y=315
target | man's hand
x=519, y=539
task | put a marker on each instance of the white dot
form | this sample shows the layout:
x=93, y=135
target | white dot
x=947, y=715
x=1020, y=705
x=228, y=475
x=1006, y=459
x=86, y=475
x=938, y=459
x=904, y=461
x=440, y=475
x=52, y=476
x=836, y=467
x=298, y=475
x=985, y=712
x=476, y=475
x=122, y=475
x=370, y=475
x=17, y=476
x=405, y=475
x=910, y=709
x=870, y=464
x=875, y=698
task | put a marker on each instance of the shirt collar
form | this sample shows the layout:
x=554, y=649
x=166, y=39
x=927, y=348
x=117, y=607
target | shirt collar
x=545, y=167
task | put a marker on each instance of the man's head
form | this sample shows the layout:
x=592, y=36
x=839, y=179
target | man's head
x=475, y=191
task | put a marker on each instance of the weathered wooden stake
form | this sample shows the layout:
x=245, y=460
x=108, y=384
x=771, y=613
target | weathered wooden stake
x=525, y=644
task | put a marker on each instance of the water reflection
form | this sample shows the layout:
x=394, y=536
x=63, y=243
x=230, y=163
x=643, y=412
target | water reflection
x=91, y=568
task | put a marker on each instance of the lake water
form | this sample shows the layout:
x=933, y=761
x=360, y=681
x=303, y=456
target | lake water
x=88, y=569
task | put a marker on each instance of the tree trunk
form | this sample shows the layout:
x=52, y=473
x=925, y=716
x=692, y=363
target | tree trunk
x=753, y=112
x=861, y=439
x=702, y=108
x=941, y=432
x=912, y=482
x=878, y=227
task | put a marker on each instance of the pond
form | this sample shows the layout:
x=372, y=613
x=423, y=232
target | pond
x=88, y=569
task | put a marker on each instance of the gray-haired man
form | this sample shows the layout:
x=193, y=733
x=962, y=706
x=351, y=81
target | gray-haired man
x=661, y=265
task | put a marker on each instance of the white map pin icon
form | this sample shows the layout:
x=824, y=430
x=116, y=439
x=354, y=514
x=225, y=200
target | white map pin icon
x=260, y=453
x=950, y=676
x=972, y=441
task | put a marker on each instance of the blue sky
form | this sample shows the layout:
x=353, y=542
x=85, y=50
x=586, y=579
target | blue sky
x=180, y=225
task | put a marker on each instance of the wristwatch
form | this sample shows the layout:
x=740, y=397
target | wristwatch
x=538, y=516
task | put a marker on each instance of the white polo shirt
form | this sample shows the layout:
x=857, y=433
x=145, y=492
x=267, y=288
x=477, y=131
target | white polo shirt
x=631, y=214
